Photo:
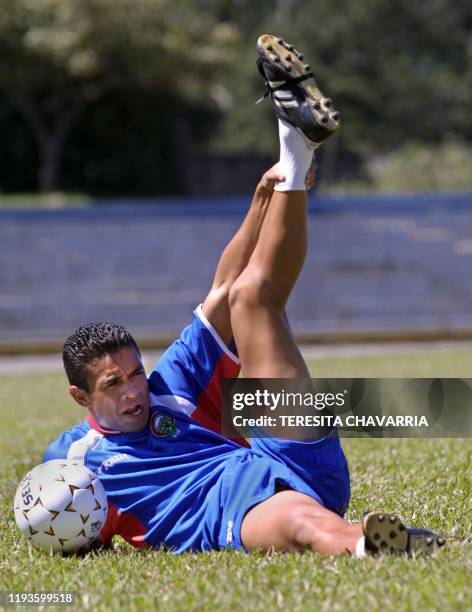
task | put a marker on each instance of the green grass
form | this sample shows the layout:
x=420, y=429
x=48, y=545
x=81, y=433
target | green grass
x=426, y=481
x=55, y=199
x=413, y=168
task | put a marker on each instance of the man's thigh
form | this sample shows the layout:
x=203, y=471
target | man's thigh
x=216, y=309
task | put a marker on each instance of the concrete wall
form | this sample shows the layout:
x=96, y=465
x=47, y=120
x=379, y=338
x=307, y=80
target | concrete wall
x=374, y=263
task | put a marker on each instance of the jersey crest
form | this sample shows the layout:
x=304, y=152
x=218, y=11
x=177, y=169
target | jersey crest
x=164, y=425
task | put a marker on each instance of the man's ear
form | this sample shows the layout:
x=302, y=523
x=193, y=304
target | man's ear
x=80, y=395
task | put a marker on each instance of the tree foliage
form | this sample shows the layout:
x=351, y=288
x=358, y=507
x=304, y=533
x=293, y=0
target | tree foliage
x=399, y=71
x=58, y=56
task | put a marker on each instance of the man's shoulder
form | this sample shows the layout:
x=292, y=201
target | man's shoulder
x=59, y=449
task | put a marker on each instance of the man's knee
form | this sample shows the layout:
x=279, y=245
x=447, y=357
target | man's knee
x=251, y=289
x=305, y=526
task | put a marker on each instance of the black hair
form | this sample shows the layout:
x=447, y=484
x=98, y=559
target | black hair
x=90, y=343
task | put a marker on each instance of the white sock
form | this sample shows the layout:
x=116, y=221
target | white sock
x=296, y=155
x=359, y=553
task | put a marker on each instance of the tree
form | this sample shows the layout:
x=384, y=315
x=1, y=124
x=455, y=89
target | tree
x=398, y=70
x=59, y=56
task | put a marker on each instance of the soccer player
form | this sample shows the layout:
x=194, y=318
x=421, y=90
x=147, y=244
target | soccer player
x=171, y=478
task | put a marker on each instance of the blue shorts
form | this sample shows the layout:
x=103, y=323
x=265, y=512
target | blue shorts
x=191, y=367
x=318, y=469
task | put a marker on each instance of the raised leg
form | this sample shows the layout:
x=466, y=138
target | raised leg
x=258, y=298
x=290, y=520
x=265, y=344
x=236, y=256
x=237, y=253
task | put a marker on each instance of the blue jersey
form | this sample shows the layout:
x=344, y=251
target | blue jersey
x=178, y=482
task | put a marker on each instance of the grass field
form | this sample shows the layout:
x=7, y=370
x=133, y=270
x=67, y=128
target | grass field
x=428, y=482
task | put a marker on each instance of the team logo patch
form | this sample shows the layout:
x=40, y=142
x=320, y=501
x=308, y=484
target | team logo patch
x=164, y=425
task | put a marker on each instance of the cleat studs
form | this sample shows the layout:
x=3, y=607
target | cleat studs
x=277, y=59
x=376, y=535
x=393, y=535
x=280, y=41
x=288, y=58
x=289, y=47
x=301, y=57
x=401, y=527
x=328, y=102
x=324, y=118
x=270, y=48
x=381, y=518
x=392, y=518
x=316, y=105
x=392, y=549
x=335, y=115
x=441, y=541
x=429, y=541
x=288, y=68
x=307, y=67
x=383, y=544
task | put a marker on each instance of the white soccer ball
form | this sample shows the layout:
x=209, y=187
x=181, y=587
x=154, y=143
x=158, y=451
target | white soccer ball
x=61, y=506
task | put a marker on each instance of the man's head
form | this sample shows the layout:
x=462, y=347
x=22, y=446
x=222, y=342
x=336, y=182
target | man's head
x=106, y=375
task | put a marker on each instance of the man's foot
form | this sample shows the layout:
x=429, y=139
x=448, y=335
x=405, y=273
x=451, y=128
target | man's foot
x=293, y=89
x=385, y=533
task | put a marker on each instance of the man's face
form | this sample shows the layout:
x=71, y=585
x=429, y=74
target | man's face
x=118, y=394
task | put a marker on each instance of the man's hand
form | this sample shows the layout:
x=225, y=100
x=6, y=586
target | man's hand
x=270, y=178
x=310, y=178
x=274, y=175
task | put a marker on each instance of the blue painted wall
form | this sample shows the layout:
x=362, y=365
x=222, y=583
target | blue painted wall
x=374, y=263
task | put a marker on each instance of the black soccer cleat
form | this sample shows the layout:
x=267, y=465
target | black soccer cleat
x=293, y=89
x=385, y=533
x=423, y=542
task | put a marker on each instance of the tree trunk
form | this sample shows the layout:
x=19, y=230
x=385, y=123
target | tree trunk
x=50, y=141
x=51, y=146
x=285, y=10
x=329, y=160
x=50, y=150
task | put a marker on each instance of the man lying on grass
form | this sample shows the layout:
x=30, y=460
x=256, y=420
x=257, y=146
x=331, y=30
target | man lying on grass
x=171, y=478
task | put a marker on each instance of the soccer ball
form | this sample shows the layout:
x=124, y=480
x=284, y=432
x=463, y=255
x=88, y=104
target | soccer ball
x=60, y=506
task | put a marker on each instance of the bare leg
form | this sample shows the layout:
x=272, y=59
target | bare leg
x=259, y=296
x=234, y=259
x=236, y=255
x=288, y=520
x=294, y=521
